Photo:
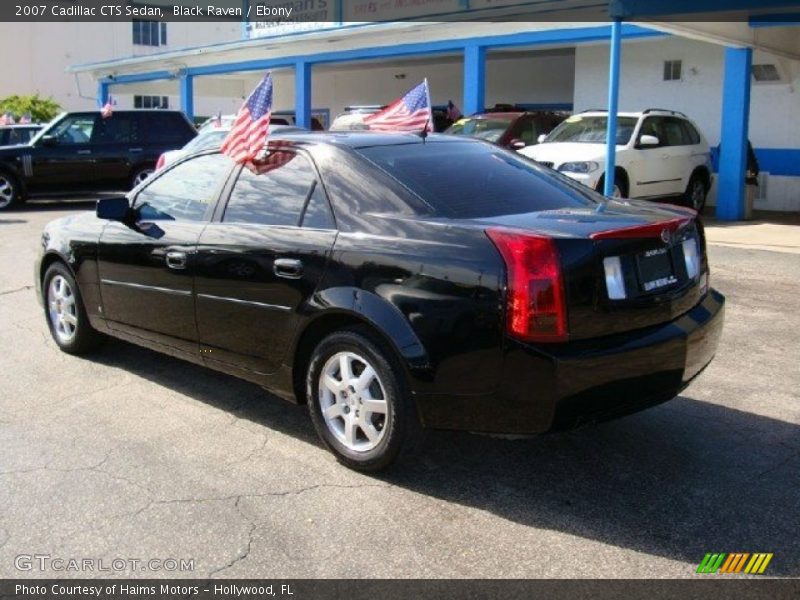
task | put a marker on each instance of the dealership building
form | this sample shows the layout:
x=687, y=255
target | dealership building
x=733, y=73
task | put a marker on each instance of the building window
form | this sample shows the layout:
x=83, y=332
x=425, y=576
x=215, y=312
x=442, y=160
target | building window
x=766, y=73
x=149, y=33
x=672, y=70
x=151, y=102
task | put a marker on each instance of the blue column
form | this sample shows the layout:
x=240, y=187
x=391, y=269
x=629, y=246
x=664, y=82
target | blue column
x=474, y=79
x=302, y=94
x=613, y=103
x=102, y=92
x=187, y=95
x=245, y=20
x=733, y=141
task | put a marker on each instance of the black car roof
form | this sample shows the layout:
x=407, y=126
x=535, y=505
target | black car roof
x=367, y=139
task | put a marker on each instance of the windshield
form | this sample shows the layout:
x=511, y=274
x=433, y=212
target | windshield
x=485, y=129
x=591, y=130
x=207, y=140
x=470, y=180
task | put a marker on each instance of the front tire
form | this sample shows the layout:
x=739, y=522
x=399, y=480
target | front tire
x=65, y=312
x=9, y=191
x=359, y=401
x=620, y=187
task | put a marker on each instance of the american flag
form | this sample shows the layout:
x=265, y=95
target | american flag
x=453, y=112
x=248, y=136
x=107, y=109
x=412, y=112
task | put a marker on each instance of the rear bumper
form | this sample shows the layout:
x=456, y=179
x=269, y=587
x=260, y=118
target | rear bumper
x=546, y=388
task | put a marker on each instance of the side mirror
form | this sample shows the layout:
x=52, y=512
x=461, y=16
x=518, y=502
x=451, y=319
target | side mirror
x=648, y=141
x=516, y=144
x=542, y=137
x=114, y=209
x=49, y=140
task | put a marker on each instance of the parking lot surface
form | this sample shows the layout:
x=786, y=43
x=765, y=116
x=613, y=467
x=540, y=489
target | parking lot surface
x=134, y=455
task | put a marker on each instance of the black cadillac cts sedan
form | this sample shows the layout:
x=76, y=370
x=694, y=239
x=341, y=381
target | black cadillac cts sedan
x=395, y=283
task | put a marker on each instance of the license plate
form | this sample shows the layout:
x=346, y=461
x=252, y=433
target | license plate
x=655, y=269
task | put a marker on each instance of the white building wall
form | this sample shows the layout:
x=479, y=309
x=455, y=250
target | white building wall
x=773, y=110
x=37, y=54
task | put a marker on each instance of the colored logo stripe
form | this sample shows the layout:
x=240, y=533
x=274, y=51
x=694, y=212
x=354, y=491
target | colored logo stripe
x=758, y=563
x=711, y=562
x=735, y=562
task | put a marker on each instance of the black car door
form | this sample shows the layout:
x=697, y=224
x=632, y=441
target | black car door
x=114, y=140
x=146, y=270
x=63, y=159
x=260, y=261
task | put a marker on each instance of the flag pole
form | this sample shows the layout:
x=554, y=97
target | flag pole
x=430, y=104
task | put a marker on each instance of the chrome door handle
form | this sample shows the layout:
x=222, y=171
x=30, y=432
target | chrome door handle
x=176, y=260
x=290, y=268
x=83, y=152
x=135, y=149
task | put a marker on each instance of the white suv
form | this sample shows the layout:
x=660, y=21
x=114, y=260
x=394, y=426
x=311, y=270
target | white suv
x=660, y=153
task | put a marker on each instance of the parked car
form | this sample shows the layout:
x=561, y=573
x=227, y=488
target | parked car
x=226, y=122
x=660, y=153
x=352, y=119
x=82, y=151
x=211, y=138
x=512, y=129
x=391, y=282
x=13, y=135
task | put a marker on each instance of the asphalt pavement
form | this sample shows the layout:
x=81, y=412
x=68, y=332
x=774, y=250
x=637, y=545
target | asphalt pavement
x=129, y=454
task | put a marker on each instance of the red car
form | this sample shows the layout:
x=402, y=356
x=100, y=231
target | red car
x=509, y=129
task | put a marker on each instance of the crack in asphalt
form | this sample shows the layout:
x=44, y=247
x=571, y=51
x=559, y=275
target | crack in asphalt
x=243, y=554
x=47, y=467
x=16, y=290
x=780, y=464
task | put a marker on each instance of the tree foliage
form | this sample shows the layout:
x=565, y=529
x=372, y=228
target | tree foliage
x=41, y=110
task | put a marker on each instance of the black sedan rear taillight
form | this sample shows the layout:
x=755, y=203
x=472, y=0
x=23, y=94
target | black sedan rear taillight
x=536, y=304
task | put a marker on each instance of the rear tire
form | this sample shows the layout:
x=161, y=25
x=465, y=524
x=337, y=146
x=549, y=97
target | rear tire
x=65, y=312
x=696, y=193
x=139, y=175
x=359, y=401
x=10, y=193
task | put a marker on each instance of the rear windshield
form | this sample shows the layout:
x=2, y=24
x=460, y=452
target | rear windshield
x=466, y=180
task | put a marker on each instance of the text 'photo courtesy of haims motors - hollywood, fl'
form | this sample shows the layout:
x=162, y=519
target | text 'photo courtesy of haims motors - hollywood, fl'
x=357, y=299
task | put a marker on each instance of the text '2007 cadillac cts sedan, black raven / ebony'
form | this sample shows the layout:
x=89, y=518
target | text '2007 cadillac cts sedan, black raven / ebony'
x=395, y=283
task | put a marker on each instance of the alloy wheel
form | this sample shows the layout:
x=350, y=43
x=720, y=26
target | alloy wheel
x=141, y=176
x=353, y=401
x=698, y=194
x=6, y=191
x=62, y=309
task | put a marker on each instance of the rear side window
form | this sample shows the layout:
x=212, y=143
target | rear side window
x=675, y=133
x=117, y=129
x=166, y=128
x=474, y=180
x=277, y=195
x=691, y=133
x=186, y=192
